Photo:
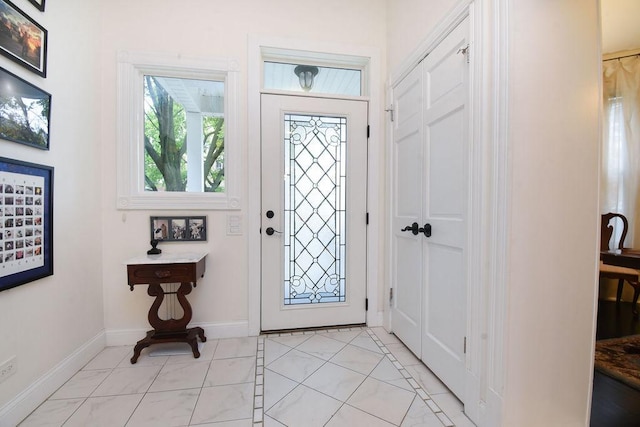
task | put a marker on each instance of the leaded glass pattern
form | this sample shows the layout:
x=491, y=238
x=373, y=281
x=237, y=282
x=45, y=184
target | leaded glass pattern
x=314, y=209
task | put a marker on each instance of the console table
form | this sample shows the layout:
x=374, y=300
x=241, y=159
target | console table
x=154, y=270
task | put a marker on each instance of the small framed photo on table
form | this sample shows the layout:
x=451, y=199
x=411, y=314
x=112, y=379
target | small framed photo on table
x=179, y=228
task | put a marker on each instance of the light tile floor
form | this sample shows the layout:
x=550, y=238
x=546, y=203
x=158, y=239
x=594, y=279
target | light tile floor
x=336, y=377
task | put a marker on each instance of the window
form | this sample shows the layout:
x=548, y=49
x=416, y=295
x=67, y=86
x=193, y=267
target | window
x=177, y=142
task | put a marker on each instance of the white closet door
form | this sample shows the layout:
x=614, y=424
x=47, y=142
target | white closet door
x=430, y=177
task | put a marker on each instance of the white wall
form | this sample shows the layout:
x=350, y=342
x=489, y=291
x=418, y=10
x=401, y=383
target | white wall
x=204, y=28
x=45, y=321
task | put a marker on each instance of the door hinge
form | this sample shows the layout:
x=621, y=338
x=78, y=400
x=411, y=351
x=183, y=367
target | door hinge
x=390, y=110
x=368, y=131
x=465, y=51
x=367, y=218
x=366, y=304
x=391, y=296
x=465, y=345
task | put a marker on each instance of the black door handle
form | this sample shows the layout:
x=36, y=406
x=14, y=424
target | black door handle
x=270, y=231
x=415, y=230
x=412, y=228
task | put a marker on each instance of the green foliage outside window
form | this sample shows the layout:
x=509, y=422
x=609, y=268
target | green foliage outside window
x=165, y=137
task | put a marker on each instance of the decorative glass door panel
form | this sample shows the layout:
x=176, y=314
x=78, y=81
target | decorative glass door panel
x=314, y=210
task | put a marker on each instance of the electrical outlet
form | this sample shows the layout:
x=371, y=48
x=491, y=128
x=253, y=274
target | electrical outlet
x=8, y=368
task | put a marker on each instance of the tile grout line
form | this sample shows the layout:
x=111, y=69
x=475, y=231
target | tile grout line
x=444, y=419
x=258, y=385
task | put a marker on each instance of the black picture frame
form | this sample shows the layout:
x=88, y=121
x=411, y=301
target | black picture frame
x=22, y=39
x=16, y=94
x=26, y=236
x=39, y=4
x=178, y=228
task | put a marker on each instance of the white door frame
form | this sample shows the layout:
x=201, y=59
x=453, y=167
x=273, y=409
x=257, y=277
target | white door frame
x=488, y=207
x=256, y=47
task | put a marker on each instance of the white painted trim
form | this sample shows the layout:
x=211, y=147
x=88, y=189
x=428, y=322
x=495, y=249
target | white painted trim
x=444, y=27
x=375, y=180
x=29, y=399
x=117, y=337
x=132, y=66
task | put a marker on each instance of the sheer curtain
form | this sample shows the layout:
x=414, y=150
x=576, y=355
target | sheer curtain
x=621, y=152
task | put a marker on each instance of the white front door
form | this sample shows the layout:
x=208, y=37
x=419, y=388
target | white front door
x=431, y=191
x=314, y=186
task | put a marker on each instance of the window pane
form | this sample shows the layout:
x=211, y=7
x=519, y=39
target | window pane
x=334, y=81
x=183, y=134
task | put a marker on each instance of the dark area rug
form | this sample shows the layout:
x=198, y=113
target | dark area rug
x=619, y=358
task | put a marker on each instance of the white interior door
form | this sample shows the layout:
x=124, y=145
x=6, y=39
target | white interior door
x=406, y=306
x=314, y=186
x=446, y=96
x=431, y=165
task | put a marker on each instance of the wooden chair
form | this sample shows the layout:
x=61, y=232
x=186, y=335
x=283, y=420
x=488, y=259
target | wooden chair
x=622, y=274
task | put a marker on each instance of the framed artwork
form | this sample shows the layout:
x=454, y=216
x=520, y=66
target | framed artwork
x=24, y=111
x=22, y=39
x=38, y=3
x=26, y=222
x=179, y=228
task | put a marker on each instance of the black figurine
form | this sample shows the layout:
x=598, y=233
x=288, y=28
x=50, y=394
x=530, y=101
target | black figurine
x=154, y=250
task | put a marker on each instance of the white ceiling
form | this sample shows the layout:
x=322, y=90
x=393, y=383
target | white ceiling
x=620, y=25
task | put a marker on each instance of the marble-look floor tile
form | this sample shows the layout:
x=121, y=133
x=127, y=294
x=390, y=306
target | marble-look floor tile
x=448, y=402
x=276, y=387
x=270, y=422
x=321, y=346
x=420, y=415
x=207, y=350
x=273, y=350
x=384, y=336
x=107, y=411
x=165, y=409
x=290, y=340
x=127, y=381
x=224, y=403
x=365, y=341
x=110, y=357
x=357, y=359
x=427, y=380
x=81, y=384
x=350, y=416
x=382, y=400
x=237, y=423
x=231, y=371
x=403, y=354
x=236, y=347
x=344, y=336
x=335, y=381
x=296, y=365
x=304, y=407
x=387, y=372
x=180, y=376
x=52, y=413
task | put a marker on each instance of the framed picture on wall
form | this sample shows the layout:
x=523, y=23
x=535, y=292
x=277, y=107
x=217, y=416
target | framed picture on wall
x=24, y=111
x=22, y=39
x=179, y=228
x=26, y=228
x=38, y=3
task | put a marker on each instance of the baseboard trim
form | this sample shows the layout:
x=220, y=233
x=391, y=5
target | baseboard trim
x=29, y=399
x=117, y=337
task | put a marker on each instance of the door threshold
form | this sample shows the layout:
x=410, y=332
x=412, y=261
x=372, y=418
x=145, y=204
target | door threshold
x=315, y=329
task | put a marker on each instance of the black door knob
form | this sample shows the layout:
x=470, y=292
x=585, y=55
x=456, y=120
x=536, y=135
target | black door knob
x=270, y=214
x=270, y=231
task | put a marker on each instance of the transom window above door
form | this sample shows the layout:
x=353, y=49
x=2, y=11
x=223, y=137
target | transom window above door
x=312, y=79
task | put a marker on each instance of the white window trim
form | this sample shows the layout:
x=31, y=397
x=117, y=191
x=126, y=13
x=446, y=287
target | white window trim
x=132, y=66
